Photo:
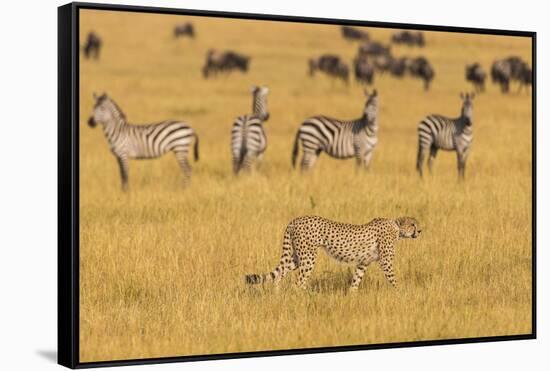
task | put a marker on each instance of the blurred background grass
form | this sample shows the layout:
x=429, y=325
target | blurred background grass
x=162, y=266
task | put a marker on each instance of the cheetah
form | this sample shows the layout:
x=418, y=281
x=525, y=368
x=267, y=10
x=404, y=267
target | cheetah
x=348, y=243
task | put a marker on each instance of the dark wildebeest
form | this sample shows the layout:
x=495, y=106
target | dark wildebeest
x=224, y=61
x=476, y=75
x=504, y=71
x=351, y=33
x=373, y=48
x=500, y=74
x=420, y=67
x=408, y=38
x=92, y=47
x=364, y=70
x=330, y=64
x=525, y=78
x=185, y=29
x=382, y=62
x=398, y=66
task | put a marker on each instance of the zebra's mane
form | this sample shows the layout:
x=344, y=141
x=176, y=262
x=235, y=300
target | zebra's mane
x=118, y=111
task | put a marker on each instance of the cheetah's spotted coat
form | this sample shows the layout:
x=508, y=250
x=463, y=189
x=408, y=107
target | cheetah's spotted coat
x=347, y=243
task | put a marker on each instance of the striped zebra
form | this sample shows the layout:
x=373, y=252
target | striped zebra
x=142, y=141
x=339, y=139
x=439, y=132
x=248, y=139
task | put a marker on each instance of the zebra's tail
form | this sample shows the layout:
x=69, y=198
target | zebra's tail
x=196, y=148
x=295, y=149
x=242, y=155
x=287, y=263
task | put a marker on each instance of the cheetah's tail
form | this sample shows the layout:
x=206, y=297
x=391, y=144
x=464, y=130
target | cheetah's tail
x=287, y=263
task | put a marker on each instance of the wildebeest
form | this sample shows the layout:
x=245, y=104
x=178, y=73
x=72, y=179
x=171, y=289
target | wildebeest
x=398, y=66
x=352, y=33
x=526, y=78
x=382, y=62
x=364, y=70
x=184, y=29
x=476, y=75
x=504, y=71
x=373, y=48
x=224, y=61
x=420, y=67
x=408, y=38
x=330, y=64
x=92, y=47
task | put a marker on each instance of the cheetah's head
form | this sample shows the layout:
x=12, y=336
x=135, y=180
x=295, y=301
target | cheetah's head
x=408, y=227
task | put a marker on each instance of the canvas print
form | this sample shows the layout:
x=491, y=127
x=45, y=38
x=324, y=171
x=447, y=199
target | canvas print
x=252, y=185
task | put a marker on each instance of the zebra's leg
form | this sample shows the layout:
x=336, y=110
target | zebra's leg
x=366, y=160
x=259, y=159
x=306, y=263
x=358, y=159
x=433, y=153
x=420, y=158
x=123, y=165
x=181, y=157
x=308, y=160
x=461, y=157
x=248, y=161
x=236, y=162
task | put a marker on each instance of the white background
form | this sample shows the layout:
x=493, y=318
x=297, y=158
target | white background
x=28, y=201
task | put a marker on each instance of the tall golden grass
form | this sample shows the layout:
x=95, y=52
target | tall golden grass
x=162, y=266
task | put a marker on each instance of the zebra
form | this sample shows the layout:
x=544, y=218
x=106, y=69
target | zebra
x=339, y=139
x=142, y=141
x=439, y=132
x=248, y=138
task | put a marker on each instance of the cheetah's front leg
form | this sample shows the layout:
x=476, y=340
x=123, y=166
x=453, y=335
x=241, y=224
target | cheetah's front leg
x=386, y=263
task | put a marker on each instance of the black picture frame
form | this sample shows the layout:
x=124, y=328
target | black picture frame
x=68, y=182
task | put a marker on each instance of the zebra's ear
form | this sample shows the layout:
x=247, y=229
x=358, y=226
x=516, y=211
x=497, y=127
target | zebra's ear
x=366, y=92
x=375, y=93
x=94, y=94
x=462, y=96
x=253, y=88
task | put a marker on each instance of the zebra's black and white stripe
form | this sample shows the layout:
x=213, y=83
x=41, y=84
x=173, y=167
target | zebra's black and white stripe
x=437, y=132
x=248, y=138
x=339, y=139
x=143, y=141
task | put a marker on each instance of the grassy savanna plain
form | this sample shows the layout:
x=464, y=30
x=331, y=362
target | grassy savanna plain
x=162, y=267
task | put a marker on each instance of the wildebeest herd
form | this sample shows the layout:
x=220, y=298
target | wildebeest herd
x=339, y=139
